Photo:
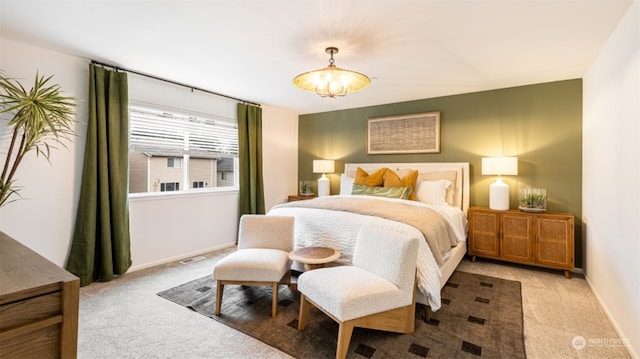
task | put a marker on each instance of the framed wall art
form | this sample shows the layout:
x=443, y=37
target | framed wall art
x=416, y=133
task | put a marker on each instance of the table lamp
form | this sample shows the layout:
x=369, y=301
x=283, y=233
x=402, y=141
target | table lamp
x=499, y=191
x=323, y=166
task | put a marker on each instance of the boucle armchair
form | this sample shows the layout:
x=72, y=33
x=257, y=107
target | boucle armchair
x=377, y=292
x=262, y=257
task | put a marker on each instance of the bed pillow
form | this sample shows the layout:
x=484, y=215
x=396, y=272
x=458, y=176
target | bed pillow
x=392, y=179
x=346, y=185
x=389, y=192
x=433, y=192
x=451, y=176
x=374, y=179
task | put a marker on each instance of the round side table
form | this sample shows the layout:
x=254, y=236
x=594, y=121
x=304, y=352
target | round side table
x=314, y=257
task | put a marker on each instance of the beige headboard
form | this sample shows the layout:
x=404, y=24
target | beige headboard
x=461, y=197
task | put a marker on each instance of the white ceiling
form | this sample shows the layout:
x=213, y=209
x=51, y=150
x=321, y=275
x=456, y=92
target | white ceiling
x=253, y=49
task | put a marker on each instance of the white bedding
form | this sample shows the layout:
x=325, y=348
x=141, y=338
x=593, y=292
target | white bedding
x=339, y=229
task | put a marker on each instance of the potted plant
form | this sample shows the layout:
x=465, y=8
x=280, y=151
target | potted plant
x=306, y=188
x=38, y=119
x=533, y=200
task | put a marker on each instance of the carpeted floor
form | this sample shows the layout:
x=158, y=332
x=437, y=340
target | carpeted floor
x=481, y=316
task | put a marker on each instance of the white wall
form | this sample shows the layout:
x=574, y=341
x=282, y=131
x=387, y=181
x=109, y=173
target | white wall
x=172, y=227
x=44, y=219
x=611, y=177
x=280, y=150
x=162, y=229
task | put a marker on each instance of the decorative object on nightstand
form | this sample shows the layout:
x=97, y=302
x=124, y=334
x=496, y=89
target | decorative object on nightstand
x=306, y=188
x=499, y=191
x=540, y=239
x=292, y=198
x=324, y=167
x=533, y=200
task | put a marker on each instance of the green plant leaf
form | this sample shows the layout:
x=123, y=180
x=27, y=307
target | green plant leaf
x=40, y=118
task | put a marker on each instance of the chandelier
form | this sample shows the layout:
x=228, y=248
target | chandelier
x=331, y=81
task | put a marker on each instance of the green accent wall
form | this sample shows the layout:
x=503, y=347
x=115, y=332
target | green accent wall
x=540, y=124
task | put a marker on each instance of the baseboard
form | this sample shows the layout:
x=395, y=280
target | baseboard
x=179, y=257
x=615, y=325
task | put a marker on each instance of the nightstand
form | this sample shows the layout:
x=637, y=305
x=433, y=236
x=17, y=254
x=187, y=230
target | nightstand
x=540, y=239
x=300, y=198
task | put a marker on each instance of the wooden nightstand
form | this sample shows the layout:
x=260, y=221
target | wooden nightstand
x=300, y=198
x=540, y=239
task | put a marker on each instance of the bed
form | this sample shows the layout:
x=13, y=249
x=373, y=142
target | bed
x=436, y=214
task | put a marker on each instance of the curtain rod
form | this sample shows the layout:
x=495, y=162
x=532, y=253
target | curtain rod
x=172, y=82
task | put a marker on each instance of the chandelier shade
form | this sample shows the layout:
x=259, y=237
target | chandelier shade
x=331, y=81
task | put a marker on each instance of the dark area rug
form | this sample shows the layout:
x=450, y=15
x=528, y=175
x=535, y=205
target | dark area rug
x=481, y=317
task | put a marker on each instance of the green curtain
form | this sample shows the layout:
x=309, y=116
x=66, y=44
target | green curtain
x=101, y=242
x=250, y=159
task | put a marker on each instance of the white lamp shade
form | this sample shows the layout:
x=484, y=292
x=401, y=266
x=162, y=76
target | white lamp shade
x=500, y=166
x=323, y=166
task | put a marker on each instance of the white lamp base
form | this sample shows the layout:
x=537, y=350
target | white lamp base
x=324, y=186
x=499, y=195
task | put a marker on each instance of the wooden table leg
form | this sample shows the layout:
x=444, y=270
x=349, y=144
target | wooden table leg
x=311, y=266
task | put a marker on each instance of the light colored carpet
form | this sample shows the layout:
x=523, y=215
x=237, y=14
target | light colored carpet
x=125, y=318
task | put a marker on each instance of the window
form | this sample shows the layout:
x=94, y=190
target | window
x=169, y=186
x=170, y=150
x=198, y=184
x=174, y=162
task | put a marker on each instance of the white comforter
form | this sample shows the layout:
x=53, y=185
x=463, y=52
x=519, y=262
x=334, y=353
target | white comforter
x=339, y=230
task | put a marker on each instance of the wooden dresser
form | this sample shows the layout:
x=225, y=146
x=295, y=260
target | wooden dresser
x=543, y=239
x=38, y=305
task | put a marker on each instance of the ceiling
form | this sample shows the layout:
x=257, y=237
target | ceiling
x=253, y=49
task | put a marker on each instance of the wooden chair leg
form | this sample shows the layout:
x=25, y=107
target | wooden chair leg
x=286, y=279
x=344, y=338
x=274, y=302
x=304, y=312
x=427, y=314
x=219, y=290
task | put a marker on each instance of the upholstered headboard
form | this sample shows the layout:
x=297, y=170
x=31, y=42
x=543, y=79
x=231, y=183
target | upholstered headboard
x=461, y=196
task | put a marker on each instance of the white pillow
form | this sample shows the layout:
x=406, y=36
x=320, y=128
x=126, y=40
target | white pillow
x=346, y=185
x=432, y=192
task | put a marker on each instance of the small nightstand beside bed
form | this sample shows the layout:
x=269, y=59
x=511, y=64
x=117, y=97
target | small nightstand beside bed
x=437, y=216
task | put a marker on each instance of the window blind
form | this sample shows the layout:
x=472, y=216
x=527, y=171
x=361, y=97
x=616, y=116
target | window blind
x=162, y=133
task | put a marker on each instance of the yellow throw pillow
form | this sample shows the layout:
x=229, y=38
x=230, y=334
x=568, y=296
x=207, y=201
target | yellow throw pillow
x=374, y=179
x=391, y=179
